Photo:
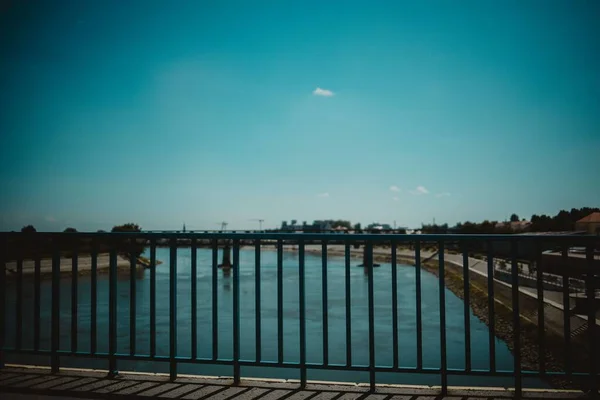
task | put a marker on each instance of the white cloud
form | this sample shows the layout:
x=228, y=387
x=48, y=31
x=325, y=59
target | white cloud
x=323, y=194
x=394, y=188
x=50, y=218
x=322, y=92
x=443, y=194
x=395, y=198
x=419, y=190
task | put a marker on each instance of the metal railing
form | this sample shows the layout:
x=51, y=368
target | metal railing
x=17, y=247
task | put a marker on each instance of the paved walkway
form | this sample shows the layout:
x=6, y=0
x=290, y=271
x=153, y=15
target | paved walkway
x=40, y=384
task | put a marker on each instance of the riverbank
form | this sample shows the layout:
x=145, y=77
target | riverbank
x=555, y=352
x=84, y=265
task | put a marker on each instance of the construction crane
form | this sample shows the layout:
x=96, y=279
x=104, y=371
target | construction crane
x=223, y=225
x=260, y=221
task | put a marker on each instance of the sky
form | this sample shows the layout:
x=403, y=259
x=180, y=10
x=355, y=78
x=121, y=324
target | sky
x=161, y=113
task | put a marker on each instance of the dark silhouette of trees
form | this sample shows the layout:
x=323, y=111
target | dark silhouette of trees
x=128, y=227
x=28, y=229
x=514, y=218
x=129, y=246
x=70, y=230
x=563, y=221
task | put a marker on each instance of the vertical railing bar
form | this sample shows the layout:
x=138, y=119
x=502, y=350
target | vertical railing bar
x=280, y=301
x=236, y=312
x=591, y=331
x=173, y=310
x=132, y=298
x=74, y=289
x=540, y=295
x=516, y=319
x=418, y=305
x=112, y=312
x=442, y=295
x=55, y=359
x=491, y=304
x=3, y=260
x=152, y=297
x=467, y=310
x=257, y=300
x=395, y=303
x=215, y=300
x=348, y=306
x=93, y=298
x=566, y=311
x=194, y=298
x=37, y=300
x=371, y=303
x=19, y=304
x=301, y=292
x=324, y=303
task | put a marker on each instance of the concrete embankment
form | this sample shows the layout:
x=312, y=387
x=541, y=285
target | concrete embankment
x=555, y=352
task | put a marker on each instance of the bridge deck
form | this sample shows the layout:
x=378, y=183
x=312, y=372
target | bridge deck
x=38, y=383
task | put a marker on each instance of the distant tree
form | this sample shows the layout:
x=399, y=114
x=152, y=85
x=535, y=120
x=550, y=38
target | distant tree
x=341, y=223
x=514, y=218
x=70, y=230
x=28, y=229
x=357, y=226
x=127, y=246
x=284, y=225
x=294, y=222
x=129, y=227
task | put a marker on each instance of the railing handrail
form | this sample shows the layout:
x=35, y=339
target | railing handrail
x=373, y=237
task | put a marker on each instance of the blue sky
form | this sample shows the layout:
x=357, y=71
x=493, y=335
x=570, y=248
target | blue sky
x=201, y=111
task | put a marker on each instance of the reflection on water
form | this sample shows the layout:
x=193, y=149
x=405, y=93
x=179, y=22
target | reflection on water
x=336, y=316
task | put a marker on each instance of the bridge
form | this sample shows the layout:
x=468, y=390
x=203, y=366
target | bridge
x=43, y=345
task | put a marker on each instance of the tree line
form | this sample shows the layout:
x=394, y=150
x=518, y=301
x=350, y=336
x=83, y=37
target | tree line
x=562, y=221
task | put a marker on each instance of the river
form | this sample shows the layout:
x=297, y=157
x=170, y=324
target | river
x=336, y=317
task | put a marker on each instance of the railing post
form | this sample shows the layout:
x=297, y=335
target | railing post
x=566, y=312
x=55, y=360
x=491, y=306
x=257, y=300
x=280, y=301
x=324, y=303
x=418, y=306
x=74, y=283
x=194, y=299
x=395, y=304
x=236, y=312
x=302, y=312
x=37, y=303
x=467, y=310
x=516, y=318
x=173, y=311
x=442, y=294
x=348, y=306
x=215, y=301
x=371, y=302
x=152, y=298
x=94, y=298
x=540, y=298
x=591, y=283
x=112, y=312
x=132, y=297
x=3, y=260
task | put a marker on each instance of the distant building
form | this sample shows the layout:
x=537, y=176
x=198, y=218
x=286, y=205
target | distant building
x=590, y=224
x=515, y=226
x=317, y=226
